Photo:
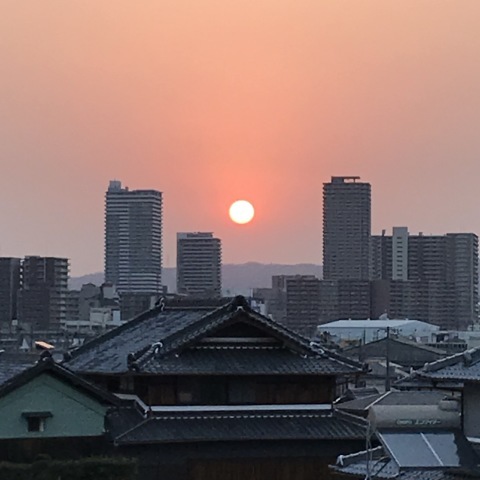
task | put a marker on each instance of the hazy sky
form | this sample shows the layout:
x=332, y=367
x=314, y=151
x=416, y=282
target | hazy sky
x=214, y=100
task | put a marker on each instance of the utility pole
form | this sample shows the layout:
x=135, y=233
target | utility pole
x=387, y=355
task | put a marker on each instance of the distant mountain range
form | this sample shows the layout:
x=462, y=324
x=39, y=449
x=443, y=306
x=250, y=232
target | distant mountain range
x=235, y=277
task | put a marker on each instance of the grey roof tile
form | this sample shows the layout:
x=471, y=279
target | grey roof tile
x=108, y=353
x=12, y=365
x=47, y=365
x=243, y=361
x=239, y=426
x=160, y=341
x=458, y=368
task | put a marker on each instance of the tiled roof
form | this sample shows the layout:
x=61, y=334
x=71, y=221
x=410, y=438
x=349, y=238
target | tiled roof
x=122, y=420
x=375, y=462
x=161, y=341
x=400, y=340
x=242, y=426
x=458, y=368
x=11, y=365
x=47, y=365
x=229, y=314
x=464, y=366
x=108, y=353
x=411, y=398
x=381, y=466
x=242, y=361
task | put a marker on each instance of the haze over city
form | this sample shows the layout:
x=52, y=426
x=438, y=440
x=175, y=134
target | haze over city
x=214, y=101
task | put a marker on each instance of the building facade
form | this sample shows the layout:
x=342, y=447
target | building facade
x=9, y=286
x=133, y=239
x=303, y=303
x=346, y=229
x=199, y=264
x=42, y=299
x=429, y=277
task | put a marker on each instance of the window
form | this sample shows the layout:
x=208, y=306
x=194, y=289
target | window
x=36, y=421
x=36, y=424
x=127, y=384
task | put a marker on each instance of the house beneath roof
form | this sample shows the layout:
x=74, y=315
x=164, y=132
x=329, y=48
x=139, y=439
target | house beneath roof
x=413, y=436
x=48, y=409
x=222, y=393
x=456, y=373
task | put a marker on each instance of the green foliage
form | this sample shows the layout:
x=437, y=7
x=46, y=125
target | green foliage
x=93, y=468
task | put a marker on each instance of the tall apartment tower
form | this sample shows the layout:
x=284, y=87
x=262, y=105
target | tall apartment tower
x=346, y=229
x=9, y=286
x=462, y=255
x=42, y=298
x=133, y=239
x=428, y=277
x=199, y=264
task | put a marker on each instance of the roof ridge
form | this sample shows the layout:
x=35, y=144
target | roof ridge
x=399, y=339
x=469, y=357
x=238, y=304
x=343, y=359
x=146, y=353
x=47, y=365
x=356, y=456
x=228, y=313
x=129, y=430
x=351, y=417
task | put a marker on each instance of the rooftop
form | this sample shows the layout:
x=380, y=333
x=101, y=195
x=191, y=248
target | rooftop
x=368, y=323
x=231, y=339
x=237, y=424
x=461, y=367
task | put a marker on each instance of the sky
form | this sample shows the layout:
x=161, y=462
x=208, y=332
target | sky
x=215, y=100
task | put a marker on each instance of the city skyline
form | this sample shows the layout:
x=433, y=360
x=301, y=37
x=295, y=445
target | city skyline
x=215, y=102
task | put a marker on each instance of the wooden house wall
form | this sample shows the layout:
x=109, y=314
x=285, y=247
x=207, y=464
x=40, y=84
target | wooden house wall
x=252, y=460
x=224, y=390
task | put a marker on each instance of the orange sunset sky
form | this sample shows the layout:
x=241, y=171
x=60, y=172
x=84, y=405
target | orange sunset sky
x=214, y=100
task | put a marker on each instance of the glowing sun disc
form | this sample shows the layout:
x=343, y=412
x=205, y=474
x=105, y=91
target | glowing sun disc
x=241, y=212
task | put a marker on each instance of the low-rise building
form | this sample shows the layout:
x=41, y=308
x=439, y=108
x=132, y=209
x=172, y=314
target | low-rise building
x=367, y=331
x=47, y=409
x=458, y=373
x=220, y=389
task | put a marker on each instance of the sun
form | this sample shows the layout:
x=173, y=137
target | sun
x=241, y=212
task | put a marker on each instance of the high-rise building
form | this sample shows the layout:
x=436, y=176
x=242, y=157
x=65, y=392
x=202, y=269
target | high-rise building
x=199, y=264
x=303, y=303
x=346, y=229
x=462, y=255
x=133, y=239
x=42, y=299
x=343, y=299
x=428, y=277
x=9, y=286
